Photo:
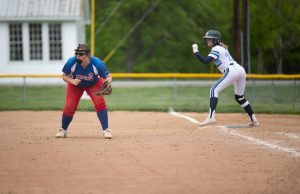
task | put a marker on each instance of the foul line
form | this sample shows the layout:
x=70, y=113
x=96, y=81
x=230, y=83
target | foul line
x=262, y=142
x=252, y=139
x=289, y=135
x=172, y=112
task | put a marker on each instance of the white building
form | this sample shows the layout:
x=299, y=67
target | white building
x=38, y=36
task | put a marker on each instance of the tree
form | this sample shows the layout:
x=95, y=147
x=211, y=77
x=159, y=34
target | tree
x=162, y=42
x=276, y=29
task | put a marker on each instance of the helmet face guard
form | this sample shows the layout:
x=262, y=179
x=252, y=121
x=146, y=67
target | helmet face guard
x=213, y=34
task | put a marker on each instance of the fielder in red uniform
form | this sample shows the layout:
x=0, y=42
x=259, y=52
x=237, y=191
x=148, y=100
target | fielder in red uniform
x=84, y=72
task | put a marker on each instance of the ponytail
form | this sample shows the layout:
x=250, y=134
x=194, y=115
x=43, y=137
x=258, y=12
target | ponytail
x=223, y=45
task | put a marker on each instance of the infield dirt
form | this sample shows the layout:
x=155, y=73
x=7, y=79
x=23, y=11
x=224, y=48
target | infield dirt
x=150, y=153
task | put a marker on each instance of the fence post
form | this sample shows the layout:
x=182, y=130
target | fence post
x=253, y=91
x=24, y=88
x=272, y=95
x=174, y=88
x=296, y=94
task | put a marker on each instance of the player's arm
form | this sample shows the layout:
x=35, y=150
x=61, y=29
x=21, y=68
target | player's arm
x=67, y=71
x=70, y=80
x=102, y=70
x=202, y=58
x=108, y=78
x=106, y=88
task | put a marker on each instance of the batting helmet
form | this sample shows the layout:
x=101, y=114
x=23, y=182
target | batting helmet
x=213, y=34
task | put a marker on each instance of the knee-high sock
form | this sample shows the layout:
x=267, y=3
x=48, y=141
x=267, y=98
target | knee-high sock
x=212, y=106
x=249, y=111
x=103, y=118
x=245, y=105
x=66, y=120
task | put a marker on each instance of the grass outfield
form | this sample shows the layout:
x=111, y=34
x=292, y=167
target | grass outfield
x=283, y=99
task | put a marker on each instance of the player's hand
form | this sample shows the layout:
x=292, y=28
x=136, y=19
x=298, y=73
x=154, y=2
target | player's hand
x=106, y=89
x=195, y=48
x=75, y=81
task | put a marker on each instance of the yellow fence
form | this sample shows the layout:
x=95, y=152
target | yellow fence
x=163, y=75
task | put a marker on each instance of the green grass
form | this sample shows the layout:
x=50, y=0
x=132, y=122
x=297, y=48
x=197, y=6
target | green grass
x=283, y=99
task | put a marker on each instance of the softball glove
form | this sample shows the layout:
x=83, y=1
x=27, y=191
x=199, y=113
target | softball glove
x=106, y=89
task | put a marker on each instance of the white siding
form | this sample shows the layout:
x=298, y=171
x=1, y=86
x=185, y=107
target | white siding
x=69, y=39
x=72, y=14
x=4, y=39
x=69, y=43
x=45, y=66
x=45, y=36
x=26, y=43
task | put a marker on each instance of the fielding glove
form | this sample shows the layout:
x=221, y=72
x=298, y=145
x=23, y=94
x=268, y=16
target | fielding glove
x=106, y=89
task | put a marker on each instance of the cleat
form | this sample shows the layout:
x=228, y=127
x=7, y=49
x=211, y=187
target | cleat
x=107, y=134
x=61, y=133
x=253, y=124
x=208, y=121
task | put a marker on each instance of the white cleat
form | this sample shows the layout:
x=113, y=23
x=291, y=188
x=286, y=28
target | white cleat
x=107, y=134
x=253, y=124
x=208, y=121
x=61, y=133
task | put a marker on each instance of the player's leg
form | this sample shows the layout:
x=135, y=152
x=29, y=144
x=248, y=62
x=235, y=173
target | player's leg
x=225, y=81
x=239, y=88
x=100, y=106
x=73, y=95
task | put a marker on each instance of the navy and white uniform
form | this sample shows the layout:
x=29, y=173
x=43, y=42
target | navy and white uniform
x=233, y=72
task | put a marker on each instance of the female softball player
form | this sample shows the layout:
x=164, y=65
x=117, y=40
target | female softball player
x=83, y=72
x=233, y=73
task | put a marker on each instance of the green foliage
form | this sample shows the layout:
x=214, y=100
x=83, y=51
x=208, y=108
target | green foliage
x=275, y=32
x=162, y=42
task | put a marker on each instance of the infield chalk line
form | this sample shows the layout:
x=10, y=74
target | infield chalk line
x=235, y=133
x=289, y=135
x=172, y=112
x=262, y=142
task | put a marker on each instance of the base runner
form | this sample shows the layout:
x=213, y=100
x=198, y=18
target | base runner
x=233, y=74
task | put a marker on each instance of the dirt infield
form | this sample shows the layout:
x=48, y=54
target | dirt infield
x=150, y=153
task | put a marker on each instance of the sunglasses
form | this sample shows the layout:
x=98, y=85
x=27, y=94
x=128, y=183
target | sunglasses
x=80, y=54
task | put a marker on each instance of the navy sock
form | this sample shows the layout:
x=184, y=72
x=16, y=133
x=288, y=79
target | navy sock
x=212, y=105
x=249, y=110
x=66, y=120
x=103, y=118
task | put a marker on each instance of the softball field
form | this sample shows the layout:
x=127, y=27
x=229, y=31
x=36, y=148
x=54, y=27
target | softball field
x=151, y=152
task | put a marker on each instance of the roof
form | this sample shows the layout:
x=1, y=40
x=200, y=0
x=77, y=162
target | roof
x=20, y=10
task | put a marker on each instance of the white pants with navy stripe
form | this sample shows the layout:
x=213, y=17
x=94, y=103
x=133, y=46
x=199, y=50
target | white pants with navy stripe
x=236, y=75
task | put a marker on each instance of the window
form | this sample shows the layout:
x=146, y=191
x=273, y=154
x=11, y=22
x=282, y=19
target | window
x=35, y=41
x=21, y=49
x=55, y=42
x=15, y=42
